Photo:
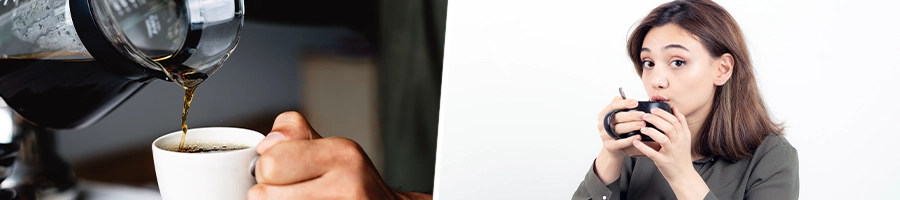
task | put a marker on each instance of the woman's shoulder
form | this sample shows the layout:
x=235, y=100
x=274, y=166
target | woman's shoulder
x=775, y=166
x=775, y=146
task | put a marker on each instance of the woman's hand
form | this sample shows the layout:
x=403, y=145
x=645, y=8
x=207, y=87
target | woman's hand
x=623, y=122
x=674, y=156
x=608, y=165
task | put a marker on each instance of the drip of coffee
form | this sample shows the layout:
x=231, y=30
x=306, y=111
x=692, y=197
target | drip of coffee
x=205, y=147
x=188, y=97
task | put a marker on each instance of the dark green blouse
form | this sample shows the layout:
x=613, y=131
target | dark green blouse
x=772, y=173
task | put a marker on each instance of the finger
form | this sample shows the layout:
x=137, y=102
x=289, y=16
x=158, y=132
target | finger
x=646, y=150
x=266, y=192
x=666, y=116
x=315, y=189
x=619, y=103
x=288, y=125
x=660, y=124
x=681, y=119
x=628, y=116
x=657, y=136
x=294, y=126
x=294, y=161
x=608, y=108
x=616, y=104
x=633, y=151
x=624, y=142
x=332, y=186
x=267, y=142
x=629, y=126
x=669, y=117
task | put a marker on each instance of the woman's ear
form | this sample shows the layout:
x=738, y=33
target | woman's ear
x=724, y=66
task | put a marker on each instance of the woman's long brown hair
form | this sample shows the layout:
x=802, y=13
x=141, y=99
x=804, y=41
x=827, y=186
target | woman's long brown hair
x=739, y=120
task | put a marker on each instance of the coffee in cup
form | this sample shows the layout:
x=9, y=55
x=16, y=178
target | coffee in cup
x=204, y=147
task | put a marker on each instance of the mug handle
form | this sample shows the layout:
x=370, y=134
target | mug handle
x=608, y=127
x=253, y=166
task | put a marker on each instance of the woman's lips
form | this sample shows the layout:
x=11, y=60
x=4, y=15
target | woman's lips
x=659, y=98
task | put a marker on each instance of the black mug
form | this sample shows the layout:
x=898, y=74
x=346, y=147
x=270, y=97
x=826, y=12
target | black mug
x=644, y=106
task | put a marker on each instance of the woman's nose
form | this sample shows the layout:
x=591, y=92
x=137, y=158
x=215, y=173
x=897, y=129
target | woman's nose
x=660, y=81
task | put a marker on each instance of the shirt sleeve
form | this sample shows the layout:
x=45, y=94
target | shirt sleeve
x=710, y=196
x=591, y=188
x=776, y=175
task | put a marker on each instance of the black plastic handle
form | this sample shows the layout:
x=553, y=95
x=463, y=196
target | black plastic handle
x=606, y=124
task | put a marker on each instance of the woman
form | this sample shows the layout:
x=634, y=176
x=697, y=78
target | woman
x=718, y=143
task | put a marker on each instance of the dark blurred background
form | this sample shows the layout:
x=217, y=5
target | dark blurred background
x=366, y=70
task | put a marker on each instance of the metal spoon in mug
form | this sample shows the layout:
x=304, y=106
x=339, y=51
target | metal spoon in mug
x=622, y=93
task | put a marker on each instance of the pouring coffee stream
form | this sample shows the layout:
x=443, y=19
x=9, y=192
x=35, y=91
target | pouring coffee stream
x=188, y=97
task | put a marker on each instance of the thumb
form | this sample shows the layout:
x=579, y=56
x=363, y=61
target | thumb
x=288, y=125
x=294, y=126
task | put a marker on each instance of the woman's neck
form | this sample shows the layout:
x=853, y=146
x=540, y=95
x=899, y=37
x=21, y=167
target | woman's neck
x=695, y=122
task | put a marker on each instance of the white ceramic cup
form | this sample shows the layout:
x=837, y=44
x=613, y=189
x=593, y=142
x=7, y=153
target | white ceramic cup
x=213, y=175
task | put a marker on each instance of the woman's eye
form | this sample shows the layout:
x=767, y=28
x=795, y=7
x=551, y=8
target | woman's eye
x=647, y=64
x=678, y=63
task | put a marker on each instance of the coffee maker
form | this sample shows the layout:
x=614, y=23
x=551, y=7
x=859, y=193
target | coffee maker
x=65, y=64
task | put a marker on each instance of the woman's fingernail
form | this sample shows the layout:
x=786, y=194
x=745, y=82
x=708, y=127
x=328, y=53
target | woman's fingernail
x=643, y=129
x=274, y=136
x=633, y=103
x=270, y=140
x=646, y=116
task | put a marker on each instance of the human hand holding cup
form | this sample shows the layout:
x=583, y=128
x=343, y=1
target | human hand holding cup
x=296, y=162
x=209, y=173
x=629, y=123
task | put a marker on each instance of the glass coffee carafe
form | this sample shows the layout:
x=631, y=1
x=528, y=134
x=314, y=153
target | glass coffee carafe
x=65, y=64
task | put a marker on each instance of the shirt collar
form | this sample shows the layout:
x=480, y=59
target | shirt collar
x=705, y=159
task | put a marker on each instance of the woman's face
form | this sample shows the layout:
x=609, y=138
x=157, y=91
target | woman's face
x=679, y=70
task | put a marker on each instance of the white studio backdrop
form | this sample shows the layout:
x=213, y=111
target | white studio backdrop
x=524, y=81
